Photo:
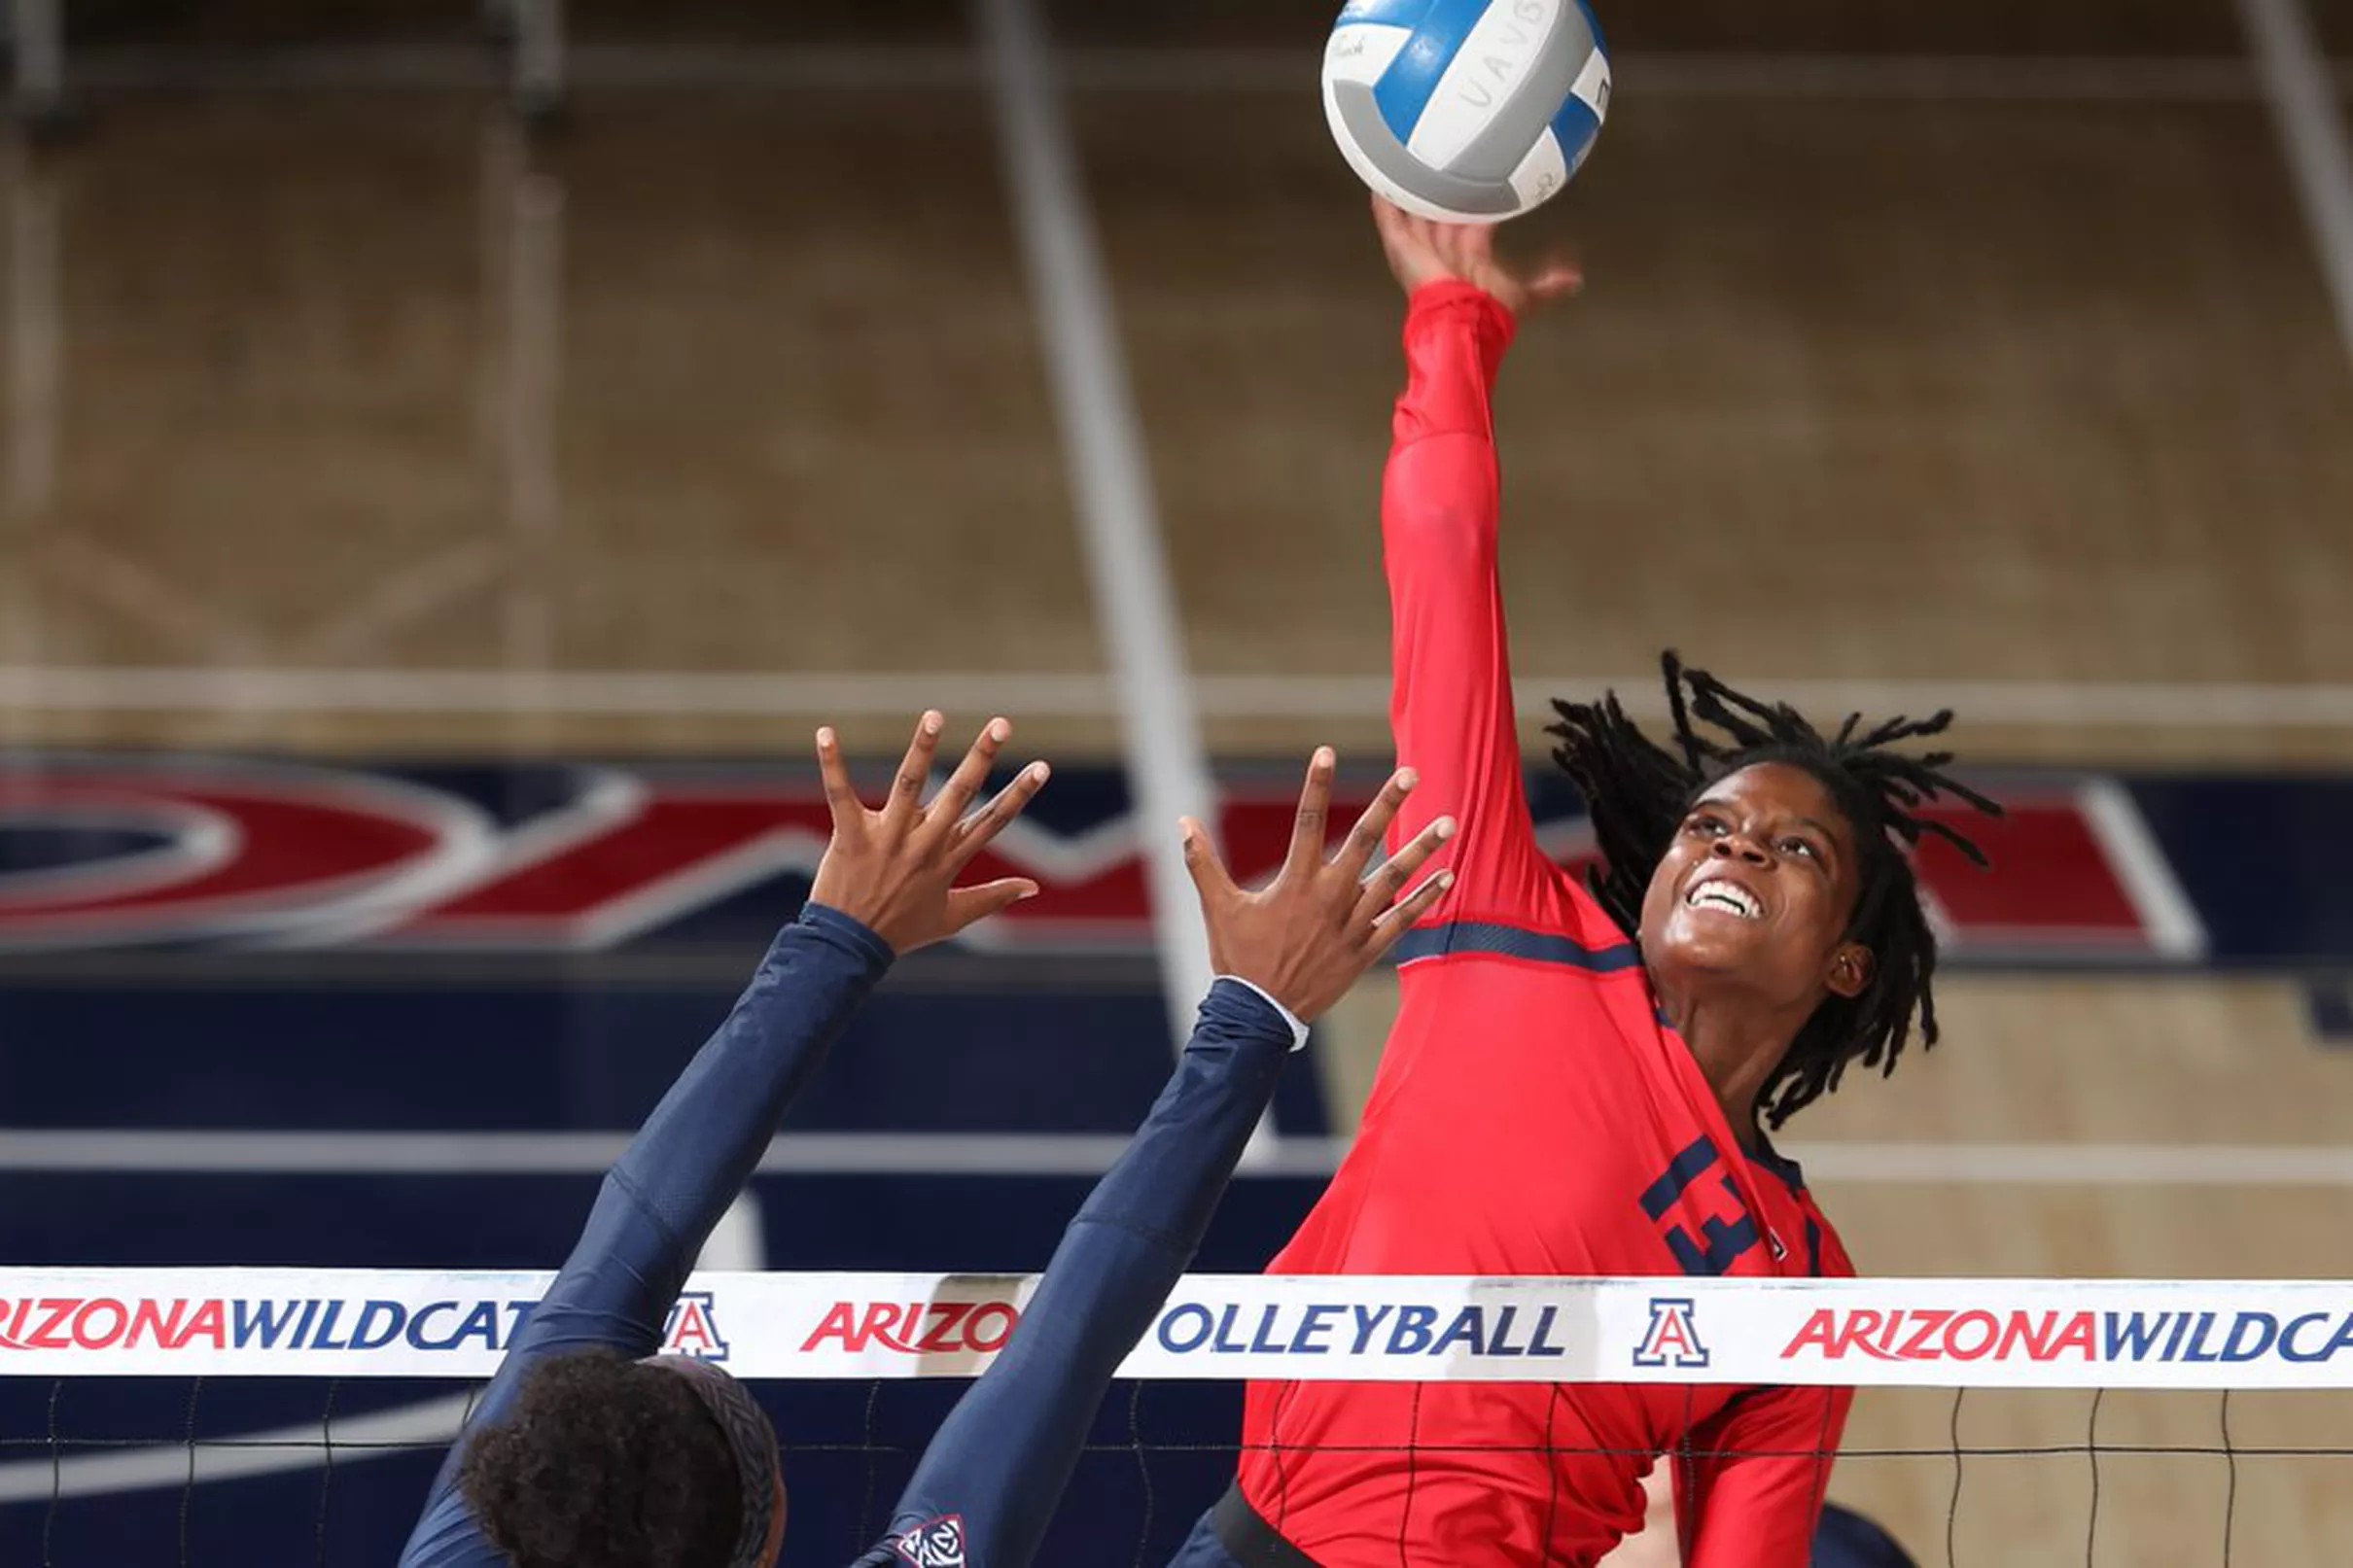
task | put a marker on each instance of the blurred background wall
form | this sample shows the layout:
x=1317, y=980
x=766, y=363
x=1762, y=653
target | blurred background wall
x=430, y=533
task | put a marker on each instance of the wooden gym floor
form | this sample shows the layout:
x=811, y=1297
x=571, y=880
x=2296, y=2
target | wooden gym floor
x=2008, y=365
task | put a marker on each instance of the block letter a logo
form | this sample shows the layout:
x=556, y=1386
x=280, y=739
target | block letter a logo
x=1670, y=1340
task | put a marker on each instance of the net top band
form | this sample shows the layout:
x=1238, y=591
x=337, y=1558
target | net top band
x=1935, y=1333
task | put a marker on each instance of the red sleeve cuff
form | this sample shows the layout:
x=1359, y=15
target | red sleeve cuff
x=1453, y=298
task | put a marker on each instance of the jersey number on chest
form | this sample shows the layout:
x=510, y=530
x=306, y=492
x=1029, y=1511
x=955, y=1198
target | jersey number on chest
x=1724, y=1231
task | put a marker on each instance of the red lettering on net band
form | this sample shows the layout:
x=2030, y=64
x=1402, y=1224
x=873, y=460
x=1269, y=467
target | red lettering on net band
x=915, y=1328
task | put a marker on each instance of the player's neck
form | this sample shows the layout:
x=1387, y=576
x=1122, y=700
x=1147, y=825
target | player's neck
x=1738, y=1046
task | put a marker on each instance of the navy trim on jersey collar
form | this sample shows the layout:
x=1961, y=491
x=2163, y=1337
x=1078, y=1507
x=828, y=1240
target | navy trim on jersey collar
x=1792, y=1176
x=1456, y=938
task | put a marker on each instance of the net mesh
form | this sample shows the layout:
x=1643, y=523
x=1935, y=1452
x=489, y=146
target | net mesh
x=2212, y=1429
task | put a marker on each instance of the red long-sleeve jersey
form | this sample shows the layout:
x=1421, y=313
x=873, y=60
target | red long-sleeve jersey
x=1534, y=1115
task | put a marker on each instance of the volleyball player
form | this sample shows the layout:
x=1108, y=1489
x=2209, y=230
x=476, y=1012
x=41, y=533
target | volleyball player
x=592, y=1452
x=1581, y=1080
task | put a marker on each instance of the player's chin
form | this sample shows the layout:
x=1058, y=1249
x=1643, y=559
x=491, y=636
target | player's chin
x=1698, y=942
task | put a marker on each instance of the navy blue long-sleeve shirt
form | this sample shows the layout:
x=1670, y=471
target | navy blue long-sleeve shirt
x=993, y=1476
x=671, y=1186
x=994, y=1473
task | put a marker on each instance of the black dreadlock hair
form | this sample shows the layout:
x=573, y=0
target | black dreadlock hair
x=1638, y=794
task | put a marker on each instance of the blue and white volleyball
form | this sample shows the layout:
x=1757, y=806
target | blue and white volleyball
x=1472, y=111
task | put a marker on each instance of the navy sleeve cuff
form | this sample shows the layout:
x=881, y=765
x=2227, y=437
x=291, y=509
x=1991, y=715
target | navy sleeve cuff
x=1236, y=1007
x=850, y=933
x=1290, y=1020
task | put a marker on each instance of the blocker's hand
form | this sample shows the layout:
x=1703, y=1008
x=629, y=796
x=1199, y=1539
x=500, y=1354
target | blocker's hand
x=893, y=870
x=1321, y=922
x=1421, y=250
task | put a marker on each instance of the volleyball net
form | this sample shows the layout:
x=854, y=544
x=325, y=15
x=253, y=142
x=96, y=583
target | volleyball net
x=296, y=1415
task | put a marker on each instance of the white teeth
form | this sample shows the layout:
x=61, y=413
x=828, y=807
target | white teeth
x=1729, y=896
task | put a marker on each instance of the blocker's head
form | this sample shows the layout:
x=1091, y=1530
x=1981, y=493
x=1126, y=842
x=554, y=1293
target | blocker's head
x=608, y=1463
x=1769, y=864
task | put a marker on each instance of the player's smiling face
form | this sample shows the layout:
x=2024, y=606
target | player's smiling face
x=1758, y=889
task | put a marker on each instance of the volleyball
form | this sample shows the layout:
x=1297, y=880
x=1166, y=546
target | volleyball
x=1471, y=111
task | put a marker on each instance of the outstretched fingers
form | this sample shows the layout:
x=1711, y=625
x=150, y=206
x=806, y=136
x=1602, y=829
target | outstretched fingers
x=1204, y=865
x=1364, y=839
x=1557, y=279
x=905, y=804
x=1471, y=246
x=1308, y=828
x=1402, y=917
x=894, y=869
x=975, y=832
x=841, y=795
x=1375, y=908
x=956, y=796
x=970, y=906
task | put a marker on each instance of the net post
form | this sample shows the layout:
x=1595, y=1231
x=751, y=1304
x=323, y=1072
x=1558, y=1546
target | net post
x=539, y=60
x=523, y=216
x=37, y=41
x=34, y=378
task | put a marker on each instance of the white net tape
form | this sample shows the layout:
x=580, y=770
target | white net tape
x=1938, y=1333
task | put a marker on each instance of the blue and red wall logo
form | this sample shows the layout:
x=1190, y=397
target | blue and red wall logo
x=112, y=850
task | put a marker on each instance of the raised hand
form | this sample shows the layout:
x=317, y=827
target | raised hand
x=895, y=870
x=1423, y=250
x=1306, y=936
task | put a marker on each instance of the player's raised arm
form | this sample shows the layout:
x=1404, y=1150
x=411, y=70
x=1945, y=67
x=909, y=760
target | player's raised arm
x=886, y=887
x=1451, y=701
x=990, y=1481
